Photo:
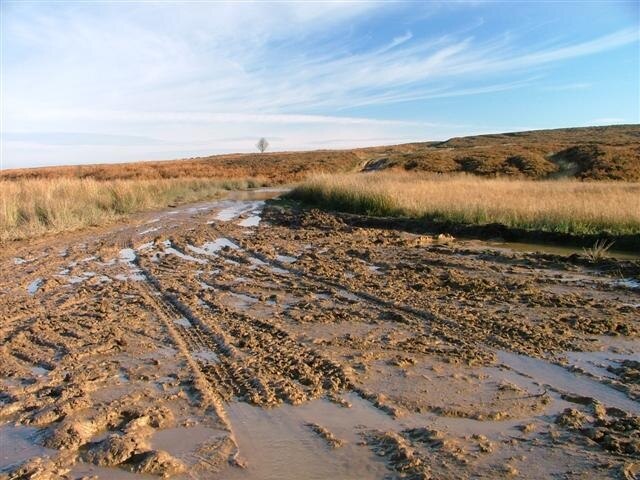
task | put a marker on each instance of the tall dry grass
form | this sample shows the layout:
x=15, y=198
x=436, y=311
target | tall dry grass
x=566, y=206
x=29, y=208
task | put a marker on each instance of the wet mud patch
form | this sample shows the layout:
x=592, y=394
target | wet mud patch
x=241, y=340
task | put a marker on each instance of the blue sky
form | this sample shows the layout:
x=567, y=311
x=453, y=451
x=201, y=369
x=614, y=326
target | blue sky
x=87, y=82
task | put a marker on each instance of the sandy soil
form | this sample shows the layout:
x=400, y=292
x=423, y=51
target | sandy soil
x=233, y=340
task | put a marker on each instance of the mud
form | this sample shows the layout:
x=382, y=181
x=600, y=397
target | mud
x=239, y=339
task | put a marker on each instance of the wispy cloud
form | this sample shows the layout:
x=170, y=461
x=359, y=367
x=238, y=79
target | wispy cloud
x=185, y=73
x=132, y=116
x=567, y=86
x=115, y=61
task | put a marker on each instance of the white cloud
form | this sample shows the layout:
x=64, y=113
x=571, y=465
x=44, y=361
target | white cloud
x=567, y=86
x=132, y=116
x=187, y=74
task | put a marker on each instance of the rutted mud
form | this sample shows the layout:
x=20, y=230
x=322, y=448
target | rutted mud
x=234, y=339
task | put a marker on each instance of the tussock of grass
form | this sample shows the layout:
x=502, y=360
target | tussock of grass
x=563, y=206
x=29, y=208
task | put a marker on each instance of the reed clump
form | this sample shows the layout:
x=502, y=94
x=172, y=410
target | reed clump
x=32, y=207
x=562, y=206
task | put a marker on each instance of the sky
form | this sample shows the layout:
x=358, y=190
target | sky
x=94, y=82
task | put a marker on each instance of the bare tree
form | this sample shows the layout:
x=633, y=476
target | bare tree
x=262, y=145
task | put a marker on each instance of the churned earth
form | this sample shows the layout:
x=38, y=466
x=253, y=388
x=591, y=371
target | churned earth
x=241, y=340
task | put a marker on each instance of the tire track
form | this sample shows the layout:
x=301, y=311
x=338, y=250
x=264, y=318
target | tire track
x=435, y=325
x=168, y=313
x=254, y=359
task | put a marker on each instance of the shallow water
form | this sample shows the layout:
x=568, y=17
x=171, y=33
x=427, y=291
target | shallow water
x=280, y=446
x=237, y=208
x=180, y=441
x=562, y=380
x=184, y=256
x=183, y=322
x=252, y=221
x=20, y=443
x=286, y=258
x=127, y=255
x=596, y=363
x=34, y=286
x=219, y=244
x=564, y=250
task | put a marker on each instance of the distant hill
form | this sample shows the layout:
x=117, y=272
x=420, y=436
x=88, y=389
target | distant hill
x=590, y=153
x=595, y=153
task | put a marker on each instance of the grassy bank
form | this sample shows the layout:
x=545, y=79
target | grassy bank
x=567, y=206
x=29, y=208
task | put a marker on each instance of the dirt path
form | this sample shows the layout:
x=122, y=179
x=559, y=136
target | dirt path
x=232, y=340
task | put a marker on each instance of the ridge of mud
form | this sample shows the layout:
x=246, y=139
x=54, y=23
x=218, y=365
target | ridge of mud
x=330, y=335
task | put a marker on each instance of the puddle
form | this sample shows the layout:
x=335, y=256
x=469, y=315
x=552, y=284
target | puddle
x=596, y=363
x=206, y=356
x=252, y=221
x=19, y=261
x=630, y=283
x=88, y=470
x=127, y=255
x=280, y=271
x=19, y=444
x=242, y=301
x=286, y=258
x=564, y=381
x=219, y=244
x=277, y=445
x=135, y=276
x=206, y=286
x=180, y=441
x=34, y=286
x=198, y=250
x=346, y=423
x=183, y=322
x=184, y=256
x=256, y=261
x=622, y=345
x=551, y=248
x=237, y=209
x=145, y=246
x=39, y=371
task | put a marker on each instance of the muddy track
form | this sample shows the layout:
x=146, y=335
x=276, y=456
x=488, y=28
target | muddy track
x=187, y=342
x=250, y=358
x=230, y=334
x=430, y=325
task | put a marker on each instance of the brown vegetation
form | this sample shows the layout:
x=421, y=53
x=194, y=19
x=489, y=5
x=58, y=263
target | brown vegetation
x=593, y=153
x=283, y=167
x=32, y=207
x=564, y=206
